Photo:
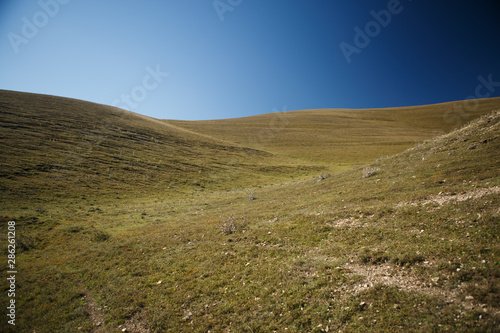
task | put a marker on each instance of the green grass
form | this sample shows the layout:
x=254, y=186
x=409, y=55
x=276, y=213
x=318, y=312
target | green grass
x=402, y=250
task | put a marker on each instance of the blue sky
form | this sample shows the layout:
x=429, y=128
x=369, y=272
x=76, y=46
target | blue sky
x=206, y=59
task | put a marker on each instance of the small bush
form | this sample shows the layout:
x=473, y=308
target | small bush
x=99, y=235
x=368, y=172
x=229, y=225
x=323, y=176
x=408, y=259
x=367, y=256
x=252, y=196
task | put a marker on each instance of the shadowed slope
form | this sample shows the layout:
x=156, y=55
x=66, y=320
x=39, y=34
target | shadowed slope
x=66, y=146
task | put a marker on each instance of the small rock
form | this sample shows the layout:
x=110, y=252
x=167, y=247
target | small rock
x=469, y=297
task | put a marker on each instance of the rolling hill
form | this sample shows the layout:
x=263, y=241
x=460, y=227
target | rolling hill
x=54, y=143
x=128, y=223
x=342, y=137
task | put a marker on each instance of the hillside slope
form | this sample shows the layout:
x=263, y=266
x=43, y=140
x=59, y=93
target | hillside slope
x=340, y=136
x=408, y=243
x=51, y=144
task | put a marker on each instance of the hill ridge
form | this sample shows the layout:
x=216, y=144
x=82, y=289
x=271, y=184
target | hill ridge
x=72, y=143
x=318, y=135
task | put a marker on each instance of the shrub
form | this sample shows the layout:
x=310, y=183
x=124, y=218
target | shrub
x=229, y=225
x=368, y=172
x=408, y=259
x=252, y=196
x=375, y=257
x=99, y=235
x=323, y=176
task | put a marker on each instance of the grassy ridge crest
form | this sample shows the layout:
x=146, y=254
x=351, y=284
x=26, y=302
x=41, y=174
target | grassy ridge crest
x=343, y=136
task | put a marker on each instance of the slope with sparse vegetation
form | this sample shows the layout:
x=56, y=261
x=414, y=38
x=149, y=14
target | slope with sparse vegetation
x=405, y=243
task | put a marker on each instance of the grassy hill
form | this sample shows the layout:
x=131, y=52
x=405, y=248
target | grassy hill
x=342, y=137
x=407, y=243
x=54, y=143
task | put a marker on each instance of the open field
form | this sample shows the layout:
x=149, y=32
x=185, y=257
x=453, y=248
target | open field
x=126, y=222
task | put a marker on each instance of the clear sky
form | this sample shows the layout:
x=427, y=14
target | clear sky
x=206, y=59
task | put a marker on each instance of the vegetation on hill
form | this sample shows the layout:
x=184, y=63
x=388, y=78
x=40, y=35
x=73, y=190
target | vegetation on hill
x=341, y=137
x=406, y=243
x=54, y=143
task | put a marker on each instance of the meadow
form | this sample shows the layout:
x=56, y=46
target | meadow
x=304, y=221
